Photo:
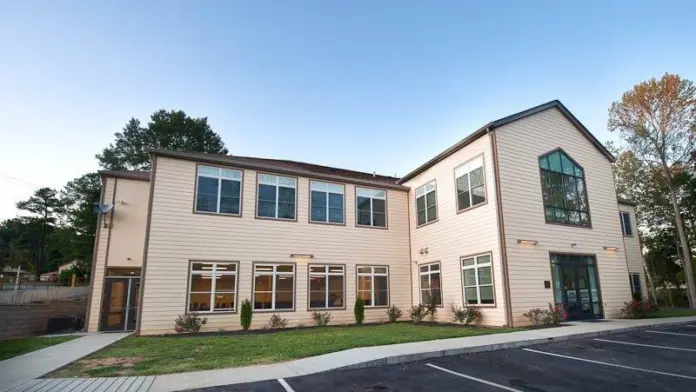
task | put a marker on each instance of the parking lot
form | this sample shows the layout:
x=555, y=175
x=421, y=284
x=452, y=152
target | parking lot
x=658, y=359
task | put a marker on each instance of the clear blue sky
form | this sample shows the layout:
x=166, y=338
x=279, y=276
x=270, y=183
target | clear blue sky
x=367, y=85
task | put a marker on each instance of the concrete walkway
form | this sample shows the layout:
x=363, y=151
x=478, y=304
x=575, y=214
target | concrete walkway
x=348, y=359
x=24, y=368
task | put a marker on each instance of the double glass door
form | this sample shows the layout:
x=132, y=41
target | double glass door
x=120, y=305
x=575, y=286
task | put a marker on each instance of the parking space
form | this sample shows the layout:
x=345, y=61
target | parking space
x=655, y=359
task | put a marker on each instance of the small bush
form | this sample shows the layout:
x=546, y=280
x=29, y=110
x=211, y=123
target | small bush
x=359, y=310
x=418, y=313
x=277, y=322
x=321, y=319
x=636, y=309
x=465, y=316
x=246, y=314
x=394, y=313
x=554, y=315
x=431, y=307
x=189, y=323
x=535, y=316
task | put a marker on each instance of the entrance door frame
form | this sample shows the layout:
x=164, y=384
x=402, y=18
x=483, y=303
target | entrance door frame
x=127, y=309
x=599, y=284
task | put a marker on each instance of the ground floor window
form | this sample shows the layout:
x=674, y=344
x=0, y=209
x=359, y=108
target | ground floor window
x=212, y=287
x=373, y=285
x=274, y=286
x=636, y=289
x=326, y=286
x=477, y=278
x=430, y=284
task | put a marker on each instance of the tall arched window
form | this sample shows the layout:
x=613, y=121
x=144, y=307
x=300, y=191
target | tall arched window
x=563, y=187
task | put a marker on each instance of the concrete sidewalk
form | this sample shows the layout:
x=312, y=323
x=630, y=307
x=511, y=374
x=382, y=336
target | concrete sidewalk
x=353, y=358
x=23, y=368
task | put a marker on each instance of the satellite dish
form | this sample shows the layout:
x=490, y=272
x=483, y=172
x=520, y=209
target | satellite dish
x=100, y=208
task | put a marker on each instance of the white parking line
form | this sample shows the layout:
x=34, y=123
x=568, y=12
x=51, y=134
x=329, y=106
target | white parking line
x=610, y=364
x=646, y=345
x=672, y=333
x=285, y=385
x=691, y=326
x=473, y=378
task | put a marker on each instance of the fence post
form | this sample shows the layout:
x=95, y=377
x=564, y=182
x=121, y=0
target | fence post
x=72, y=283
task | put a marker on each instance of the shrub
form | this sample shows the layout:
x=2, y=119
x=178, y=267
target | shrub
x=189, y=323
x=418, y=313
x=465, y=316
x=535, y=316
x=431, y=307
x=636, y=309
x=359, y=310
x=553, y=316
x=246, y=314
x=394, y=313
x=321, y=319
x=277, y=322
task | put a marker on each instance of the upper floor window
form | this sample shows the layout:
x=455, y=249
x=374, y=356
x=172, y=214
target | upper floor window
x=219, y=190
x=326, y=202
x=563, y=188
x=276, y=197
x=626, y=227
x=471, y=187
x=212, y=287
x=426, y=203
x=372, y=207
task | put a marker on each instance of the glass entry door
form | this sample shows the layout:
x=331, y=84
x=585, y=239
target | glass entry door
x=119, y=308
x=575, y=286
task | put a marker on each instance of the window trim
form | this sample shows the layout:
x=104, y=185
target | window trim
x=485, y=184
x=630, y=223
x=541, y=187
x=420, y=288
x=372, y=289
x=309, y=204
x=241, y=192
x=386, y=208
x=640, y=282
x=253, y=286
x=188, y=288
x=475, y=267
x=309, y=274
x=437, y=207
x=256, y=198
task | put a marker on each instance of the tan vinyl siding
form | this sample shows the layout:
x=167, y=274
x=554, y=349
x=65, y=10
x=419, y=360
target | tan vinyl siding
x=128, y=231
x=178, y=235
x=519, y=145
x=634, y=254
x=453, y=235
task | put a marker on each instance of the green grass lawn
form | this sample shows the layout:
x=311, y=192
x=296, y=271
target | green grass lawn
x=13, y=347
x=159, y=355
x=673, y=312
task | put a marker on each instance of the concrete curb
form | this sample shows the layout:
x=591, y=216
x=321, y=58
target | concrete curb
x=397, y=359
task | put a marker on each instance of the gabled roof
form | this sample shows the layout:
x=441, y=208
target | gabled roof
x=127, y=174
x=507, y=120
x=281, y=166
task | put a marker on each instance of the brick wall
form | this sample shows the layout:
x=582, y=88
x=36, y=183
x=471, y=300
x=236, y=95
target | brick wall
x=26, y=320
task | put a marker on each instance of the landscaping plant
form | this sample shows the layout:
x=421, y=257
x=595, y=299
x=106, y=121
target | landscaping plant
x=394, y=313
x=277, y=322
x=636, y=309
x=189, y=323
x=465, y=316
x=541, y=317
x=431, y=307
x=321, y=319
x=245, y=315
x=418, y=313
x=359, y=310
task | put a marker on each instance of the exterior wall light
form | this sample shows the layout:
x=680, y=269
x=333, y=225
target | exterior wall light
x=611, y=248
x=301, y=256
x=527, y=242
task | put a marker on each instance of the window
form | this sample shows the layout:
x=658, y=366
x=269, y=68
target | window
x=372, y=207
x=430, y=286
x=326, y=202
x=636, y=289
x=276, y=197
x=218, y=190
x=626, y=227
x=471, y=187
x=326, y=284
x=563, y=188
x=426, y=203
x=212, y=287
x=274, y=286
x=373, y=285
x=477, y=276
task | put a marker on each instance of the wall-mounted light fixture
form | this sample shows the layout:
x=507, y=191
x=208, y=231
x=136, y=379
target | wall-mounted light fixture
x=611, y=248
x=423, y=251
x=527, y=242
x=301, y=256
x=574, y=244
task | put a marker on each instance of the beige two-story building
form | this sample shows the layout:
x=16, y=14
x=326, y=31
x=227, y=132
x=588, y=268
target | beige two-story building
x=519, y=214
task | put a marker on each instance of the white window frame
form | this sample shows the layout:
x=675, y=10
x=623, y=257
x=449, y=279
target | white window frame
x=478, y=286
x=275, y=180
x=273, y=274
x=327, y=188
x=429, y=274
x=326, y=274
x=222, y=174
x=372, y=194
x=423, y=191
x=372, y=275
x=467, y=168
x=214, y=272
x=623, y=223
